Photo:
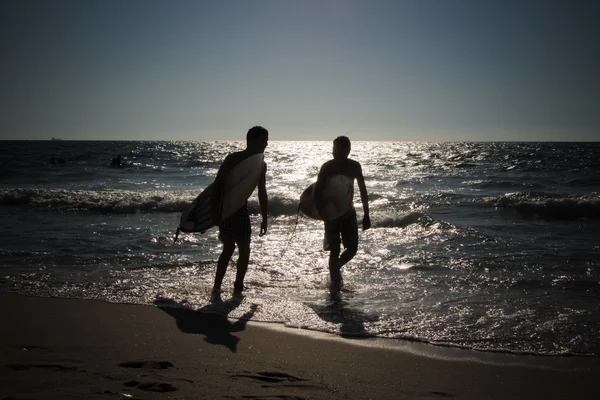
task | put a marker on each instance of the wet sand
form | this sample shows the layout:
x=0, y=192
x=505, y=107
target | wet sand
x=86, y=349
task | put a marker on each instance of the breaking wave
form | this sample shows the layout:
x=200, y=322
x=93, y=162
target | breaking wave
x=100, y=201
x=122, y=201
x=492, y=184
x=567, y=208
x=403, y=221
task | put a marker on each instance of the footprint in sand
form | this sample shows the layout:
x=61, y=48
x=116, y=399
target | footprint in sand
x=274, y=380
x=34, y=348
x=146, y=364
x=272, y=377
x=160, y=387
x=53, y=367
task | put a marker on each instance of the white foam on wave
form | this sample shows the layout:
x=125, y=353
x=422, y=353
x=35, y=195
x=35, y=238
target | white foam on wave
x=103, y=201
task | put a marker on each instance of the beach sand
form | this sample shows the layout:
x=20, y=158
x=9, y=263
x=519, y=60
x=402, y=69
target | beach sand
x=87, y=349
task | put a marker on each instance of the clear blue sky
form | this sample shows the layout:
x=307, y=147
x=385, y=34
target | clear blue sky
x=374, y=70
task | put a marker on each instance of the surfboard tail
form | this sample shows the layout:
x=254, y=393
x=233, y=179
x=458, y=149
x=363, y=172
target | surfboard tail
x=177, y=234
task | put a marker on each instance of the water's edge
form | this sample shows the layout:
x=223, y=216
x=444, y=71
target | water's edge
x=406, y=346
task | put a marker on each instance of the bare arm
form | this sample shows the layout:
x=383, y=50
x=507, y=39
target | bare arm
x=364, y=198
x=263, y=199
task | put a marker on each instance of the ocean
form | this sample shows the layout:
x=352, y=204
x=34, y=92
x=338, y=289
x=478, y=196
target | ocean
x=491, y=246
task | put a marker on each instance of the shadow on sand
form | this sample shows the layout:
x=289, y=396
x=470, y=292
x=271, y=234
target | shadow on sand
x=351, y=321
x=210, y=320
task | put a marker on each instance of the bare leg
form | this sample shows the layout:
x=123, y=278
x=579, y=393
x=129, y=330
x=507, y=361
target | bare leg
x=336, y=263
x=346, y=256
x=350, y=239
x=335, y=274
x=242, y=264
x=224, y=258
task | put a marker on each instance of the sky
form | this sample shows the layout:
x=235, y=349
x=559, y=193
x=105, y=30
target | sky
x=437, y=70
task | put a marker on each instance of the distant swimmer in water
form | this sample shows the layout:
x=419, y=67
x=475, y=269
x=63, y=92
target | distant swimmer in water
x=236, y=229
x=341, y=229
x=61, y=160
x=116, y=162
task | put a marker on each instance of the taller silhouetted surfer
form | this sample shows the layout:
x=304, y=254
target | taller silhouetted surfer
x=236, y=229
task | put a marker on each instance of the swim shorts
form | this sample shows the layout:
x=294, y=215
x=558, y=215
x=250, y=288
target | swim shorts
x=345, y=226
x=237, y=227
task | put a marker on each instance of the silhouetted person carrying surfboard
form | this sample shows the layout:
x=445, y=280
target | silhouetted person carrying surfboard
x=240, y=170
x=333, y=197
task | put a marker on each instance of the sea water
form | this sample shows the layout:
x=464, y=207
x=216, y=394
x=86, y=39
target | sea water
x=488, y=246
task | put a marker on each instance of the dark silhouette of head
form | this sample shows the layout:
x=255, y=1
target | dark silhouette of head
x=257, y=138
x=341, y=147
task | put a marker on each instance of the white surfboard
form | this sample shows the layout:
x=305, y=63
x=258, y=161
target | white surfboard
x=239, y=185
x=338, y=197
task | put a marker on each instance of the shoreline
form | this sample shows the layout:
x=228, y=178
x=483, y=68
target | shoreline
x=447, y=352
x=56, y=348
x=412, y=346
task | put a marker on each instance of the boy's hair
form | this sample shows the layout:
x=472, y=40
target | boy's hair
x=342, y=141
x=255, y=132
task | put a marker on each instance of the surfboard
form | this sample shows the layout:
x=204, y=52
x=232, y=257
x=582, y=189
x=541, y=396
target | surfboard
x=337, y=195
x=239, y=185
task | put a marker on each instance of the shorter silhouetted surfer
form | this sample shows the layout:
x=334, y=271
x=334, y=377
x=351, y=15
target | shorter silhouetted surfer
x=236, y=229
x=340, y=174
